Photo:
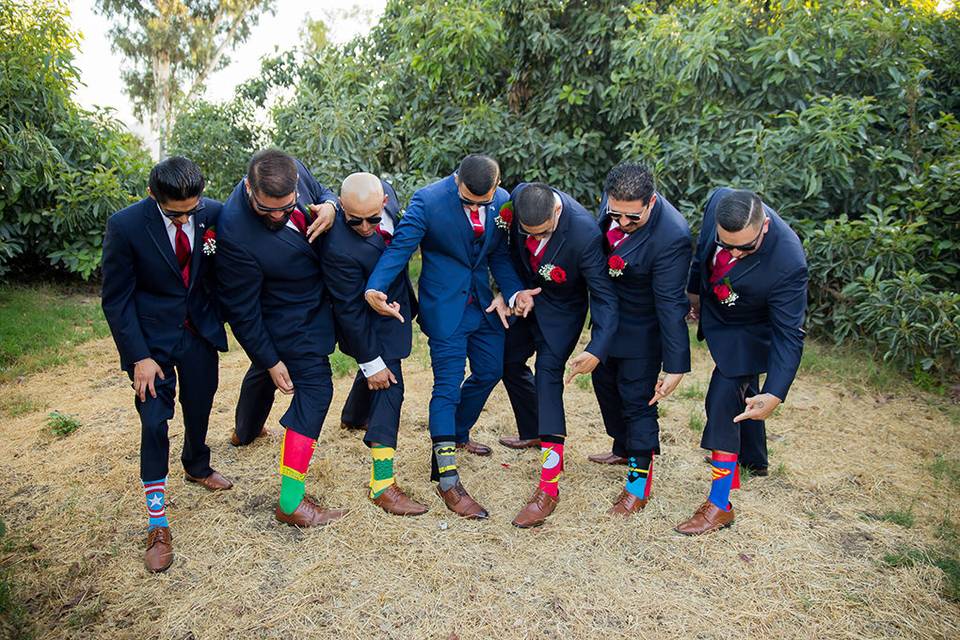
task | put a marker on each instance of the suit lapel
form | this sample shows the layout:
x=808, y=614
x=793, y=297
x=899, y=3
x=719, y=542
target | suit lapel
x=559, y=236
x=489, y=224
x=157, y=229
x=461, y=223
x=636, y=239
x=199, y=228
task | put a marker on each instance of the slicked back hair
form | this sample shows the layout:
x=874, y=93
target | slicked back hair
x=176, y=178
x=272, y=173
x=630, y=181
x=479, y=173
x=739, y=209
x=534, y=204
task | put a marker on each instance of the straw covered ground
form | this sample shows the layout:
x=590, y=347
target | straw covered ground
x=831, y=545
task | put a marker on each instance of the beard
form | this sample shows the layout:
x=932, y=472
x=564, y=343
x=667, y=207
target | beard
x=274, y=225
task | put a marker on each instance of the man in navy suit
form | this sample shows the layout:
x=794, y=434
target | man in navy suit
x=453, y=223
x=748, y=287
x=648, y=248
x=367, y=216
x=273, y=295
x=556, y=247
x=161, y=308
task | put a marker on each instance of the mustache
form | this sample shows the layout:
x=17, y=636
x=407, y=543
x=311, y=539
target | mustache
x=274, y=225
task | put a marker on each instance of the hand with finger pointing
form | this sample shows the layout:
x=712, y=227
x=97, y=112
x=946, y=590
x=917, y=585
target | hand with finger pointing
x=665, y=386
x=378, y=302
x=586, y=362
x=502, y=310
x=759, y=407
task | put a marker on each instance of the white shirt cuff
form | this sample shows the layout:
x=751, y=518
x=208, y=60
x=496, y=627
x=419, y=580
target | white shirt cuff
x=513, y=300
x=373, y=367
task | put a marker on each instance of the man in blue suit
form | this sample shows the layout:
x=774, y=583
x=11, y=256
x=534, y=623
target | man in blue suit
x=555, y=246
x=748, y=286
x=648, y=249
x=367, y=217
x=273, y=295
x=161, y=307
x=453, y=223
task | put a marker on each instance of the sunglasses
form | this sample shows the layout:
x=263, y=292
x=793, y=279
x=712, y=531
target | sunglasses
x=287, y=208
x=738, y=247
x=632, y=217
x=176, y=214
x=356, y=222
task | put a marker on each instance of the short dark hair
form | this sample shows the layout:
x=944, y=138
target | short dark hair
x=479, y=173
x=630, y=181
x=739, y=209
x=534, y=204
x=273, y=173
x=176, y=178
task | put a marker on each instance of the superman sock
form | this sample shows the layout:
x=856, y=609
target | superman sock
x=551, y=464
x=381, y=472
x=640, y=475
x=155, y=493
x=445, y=458
x=295, y=454
x=724, y=468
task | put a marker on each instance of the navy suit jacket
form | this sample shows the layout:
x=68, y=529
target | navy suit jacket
x=348, y=261
x=455, y=266
x=270, y=283
x=560, y=309
x=652, y=288
x=143, y=297
x=763, y=330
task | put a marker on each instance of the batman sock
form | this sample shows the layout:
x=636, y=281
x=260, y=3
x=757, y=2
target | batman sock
x=445, y=458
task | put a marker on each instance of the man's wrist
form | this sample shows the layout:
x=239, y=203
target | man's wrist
x=373, y=367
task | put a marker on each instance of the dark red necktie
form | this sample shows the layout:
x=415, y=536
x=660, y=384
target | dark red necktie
x=182, y=243
x=722, y=265
x=475, y=221
x=299, y=221
x=615, y=236
x=386, y=235
x=532, y=244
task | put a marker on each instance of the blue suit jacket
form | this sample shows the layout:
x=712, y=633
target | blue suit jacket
x=652, y=289
x=455, y=267
x=560, y=309
x=270, y=284
x=763, y=330
x=348, y=260
x=143, y=296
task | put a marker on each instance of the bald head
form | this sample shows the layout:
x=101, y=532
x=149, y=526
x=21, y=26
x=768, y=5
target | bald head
x=362, y=197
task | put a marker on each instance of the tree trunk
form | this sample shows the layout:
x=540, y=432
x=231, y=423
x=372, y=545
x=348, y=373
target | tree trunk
x=161, y=80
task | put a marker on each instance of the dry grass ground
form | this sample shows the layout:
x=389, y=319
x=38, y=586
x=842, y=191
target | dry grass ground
x=805, y=558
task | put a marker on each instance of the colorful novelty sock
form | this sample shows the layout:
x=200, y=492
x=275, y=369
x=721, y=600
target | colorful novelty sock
x=639, y=475
x=155, y=492
x=724, y=467
x=381, y=472
x=295, y=453
x=551, y=464
x=446, y=455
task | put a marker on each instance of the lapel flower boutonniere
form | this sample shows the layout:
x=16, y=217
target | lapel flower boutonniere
x=616, y=266
x=553, y=273
x=725, y=293
x=210, y=241
x=505, y=217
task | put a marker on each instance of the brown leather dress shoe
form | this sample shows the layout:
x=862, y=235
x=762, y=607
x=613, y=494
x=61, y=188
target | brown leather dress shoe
x=539, y=507
x=519, y=443
x=394, y=500
x=709, y=517
x=459, y=501
x=475, y=448
x=607, y=458
x=235, y=439
x=353, y=427
x=309, y=514
x=627, y=504
x=213, y=482
x=159, y=554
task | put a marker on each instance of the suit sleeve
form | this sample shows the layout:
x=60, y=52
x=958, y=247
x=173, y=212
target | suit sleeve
x=669, y=274
x=345, y=281
x=707, y=229
x=409, y=233
x=501, y=266
x=239, y=279
x=787, y=309
x=119, y=282
x=604, y=308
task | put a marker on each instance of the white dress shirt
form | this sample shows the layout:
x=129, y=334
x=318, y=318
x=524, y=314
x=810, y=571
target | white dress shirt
x=377, y=365
x=172, y=231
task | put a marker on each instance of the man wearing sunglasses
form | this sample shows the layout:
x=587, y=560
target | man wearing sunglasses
x=273, y=295
x=453, y=222
x=648, y=248
x=159, y=300
x=367, y=217
x=748, y=288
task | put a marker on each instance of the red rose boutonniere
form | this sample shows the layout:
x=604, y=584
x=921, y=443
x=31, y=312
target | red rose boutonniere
x=505, y=218
x=553, y=273
x=616, y=266
x=210, y=241
x=725, y=293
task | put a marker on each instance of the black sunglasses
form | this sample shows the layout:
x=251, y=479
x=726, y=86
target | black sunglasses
x=176, y=214
x=356, y=222
x=738, y=247
x=288, y=208
x=616, y=215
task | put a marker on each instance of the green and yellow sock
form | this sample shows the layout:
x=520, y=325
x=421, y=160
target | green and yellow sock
x=381, y=471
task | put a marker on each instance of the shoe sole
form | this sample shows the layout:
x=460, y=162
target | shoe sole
x=205, y=486
x=703, y=533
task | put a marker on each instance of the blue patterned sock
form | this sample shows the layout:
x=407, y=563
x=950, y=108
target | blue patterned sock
x=155, y=493
x=724, y=467
x=638, y=471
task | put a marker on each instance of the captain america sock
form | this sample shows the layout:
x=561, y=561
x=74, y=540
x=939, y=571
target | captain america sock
x=295, y=454
x=551, y=464
x=445, y=455
x=724, y=469
x=639, y=472
x=155, y=492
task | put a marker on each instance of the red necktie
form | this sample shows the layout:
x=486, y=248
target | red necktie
x=475, y=221
x=615, y=236
x=299, y=221
x=722, y=265
x=532, y=244
x=182, y=243
x=386, y=235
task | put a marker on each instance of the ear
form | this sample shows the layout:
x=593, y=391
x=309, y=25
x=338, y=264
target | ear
x=386, y=199
x=150, y=193
x=653, y=200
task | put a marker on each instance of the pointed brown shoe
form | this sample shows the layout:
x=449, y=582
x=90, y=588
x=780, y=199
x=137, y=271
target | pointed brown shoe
x=235, y=439
x=159, y=555
x=213, y=482
x=538, y=509
x=309, y=514
x=459, y=501
x=708, y=518
x=476, y=448
x=519, y=443
x=393, y=500
x=607, y=458
x=627, y=504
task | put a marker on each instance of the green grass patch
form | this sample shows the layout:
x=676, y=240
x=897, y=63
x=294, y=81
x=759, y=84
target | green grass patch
x=62, y=424
x=40, y=325
x=16, y=405
x=583, y=382
x=901, y=517
x=851, y=366
x=14, y=622
x=690, y=391
x=342, y=365
x=946, y=560
x=695, y=422
x=946, y=469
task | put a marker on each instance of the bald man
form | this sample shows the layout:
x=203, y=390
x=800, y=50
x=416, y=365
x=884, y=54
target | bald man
x=367, y=214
